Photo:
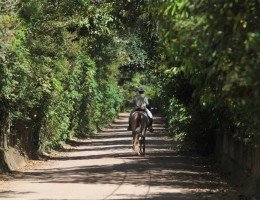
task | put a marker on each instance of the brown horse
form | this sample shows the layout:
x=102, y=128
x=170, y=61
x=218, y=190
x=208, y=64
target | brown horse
x=139, y=124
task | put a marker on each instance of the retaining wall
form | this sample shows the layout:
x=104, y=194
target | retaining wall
x=241, y=163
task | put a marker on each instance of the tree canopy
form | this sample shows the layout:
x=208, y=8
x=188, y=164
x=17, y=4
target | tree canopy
x=68, y=67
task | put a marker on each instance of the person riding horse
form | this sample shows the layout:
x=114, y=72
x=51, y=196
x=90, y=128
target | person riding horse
x=141, y=104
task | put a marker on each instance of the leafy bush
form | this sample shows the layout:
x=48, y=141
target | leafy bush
x=209, y=65
x=179, y=120
x=51, y=85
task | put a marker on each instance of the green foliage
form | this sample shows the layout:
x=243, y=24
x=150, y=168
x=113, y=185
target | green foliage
x=179, y=120
x=49, y=81
x=111, y=105
x=213, y=46
x=61, y=63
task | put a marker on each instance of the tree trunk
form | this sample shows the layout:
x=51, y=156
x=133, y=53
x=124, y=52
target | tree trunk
x=4, y=123
x=38, y=123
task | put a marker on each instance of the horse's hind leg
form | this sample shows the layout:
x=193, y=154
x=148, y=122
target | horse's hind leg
x=142, y=145
x=143, y=141
x=133, y=139
x=136, y=143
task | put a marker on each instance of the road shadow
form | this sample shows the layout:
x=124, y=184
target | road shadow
x=162, y=167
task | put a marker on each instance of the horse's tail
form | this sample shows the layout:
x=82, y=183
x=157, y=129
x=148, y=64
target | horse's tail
x=138, y=123
x=141, y=124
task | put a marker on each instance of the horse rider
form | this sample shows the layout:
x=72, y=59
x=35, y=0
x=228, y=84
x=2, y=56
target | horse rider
x=141, y=104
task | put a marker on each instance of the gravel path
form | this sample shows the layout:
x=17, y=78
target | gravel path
x=105, y=167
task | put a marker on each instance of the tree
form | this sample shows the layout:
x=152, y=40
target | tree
x=212, y=45
x=8, y=26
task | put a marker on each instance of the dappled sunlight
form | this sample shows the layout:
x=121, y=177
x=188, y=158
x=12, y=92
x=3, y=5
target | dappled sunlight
x=107, y=161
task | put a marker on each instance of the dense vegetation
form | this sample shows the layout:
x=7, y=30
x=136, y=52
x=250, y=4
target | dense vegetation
x=209, y=76
x=54, y=83
x=68, y=67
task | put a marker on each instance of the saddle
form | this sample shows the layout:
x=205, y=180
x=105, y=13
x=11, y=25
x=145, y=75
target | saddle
x=140, y=109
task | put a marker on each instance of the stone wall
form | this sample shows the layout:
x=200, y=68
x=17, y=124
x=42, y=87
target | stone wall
x=241, y=163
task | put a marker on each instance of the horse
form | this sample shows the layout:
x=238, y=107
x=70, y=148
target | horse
x=139, y=124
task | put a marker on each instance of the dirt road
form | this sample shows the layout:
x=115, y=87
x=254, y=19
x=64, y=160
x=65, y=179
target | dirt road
x=105, y=167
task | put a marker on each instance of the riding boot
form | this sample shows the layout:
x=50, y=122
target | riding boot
x=150, y=128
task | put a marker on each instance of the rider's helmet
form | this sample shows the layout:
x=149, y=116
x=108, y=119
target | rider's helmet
x=140, y=89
